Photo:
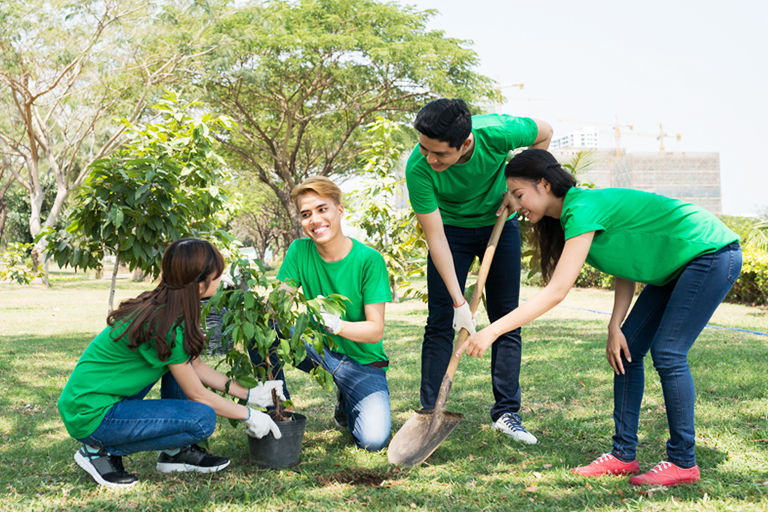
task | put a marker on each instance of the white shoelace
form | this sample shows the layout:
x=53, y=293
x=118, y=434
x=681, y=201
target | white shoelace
x=661, y=466
x=603, y=458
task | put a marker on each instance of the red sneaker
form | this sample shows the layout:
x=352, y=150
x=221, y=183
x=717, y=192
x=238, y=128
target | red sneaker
x=607, y=464
x=667, y=474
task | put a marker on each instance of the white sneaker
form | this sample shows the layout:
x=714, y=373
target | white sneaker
x=512, y=425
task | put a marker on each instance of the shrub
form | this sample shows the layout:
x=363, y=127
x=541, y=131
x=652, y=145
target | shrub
x=752, y=285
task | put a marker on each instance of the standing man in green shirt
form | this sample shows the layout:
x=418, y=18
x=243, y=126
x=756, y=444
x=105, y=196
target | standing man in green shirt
x=455, y=179
x=328, y=262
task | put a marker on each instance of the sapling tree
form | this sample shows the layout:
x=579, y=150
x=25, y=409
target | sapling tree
x=256, y=314
x=165, y=184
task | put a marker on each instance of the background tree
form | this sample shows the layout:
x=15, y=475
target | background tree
x=394, y=233
x=261, y=220
x=66, y=69
x=162, y=186
x=300, y=78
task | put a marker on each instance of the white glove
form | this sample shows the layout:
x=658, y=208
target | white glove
x=259, y=424
x=261, y=395
x=332, y=322
x=227, y=280
x=464, y=319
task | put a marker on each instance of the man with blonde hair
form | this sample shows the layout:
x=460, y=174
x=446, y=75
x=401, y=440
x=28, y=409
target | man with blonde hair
x=328, y=262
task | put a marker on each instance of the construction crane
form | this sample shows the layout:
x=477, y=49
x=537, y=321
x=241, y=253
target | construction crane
x=660, y=136
x=616, y=129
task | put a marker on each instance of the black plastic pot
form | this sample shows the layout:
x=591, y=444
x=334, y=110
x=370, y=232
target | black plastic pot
x=271, y=453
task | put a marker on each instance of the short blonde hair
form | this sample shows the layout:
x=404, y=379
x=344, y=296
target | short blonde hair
x=320, y=185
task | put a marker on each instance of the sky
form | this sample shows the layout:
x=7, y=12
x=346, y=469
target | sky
x=698, y=67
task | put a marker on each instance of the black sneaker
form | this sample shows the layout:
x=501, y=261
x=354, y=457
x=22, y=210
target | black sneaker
x=338, y=413
x=106, y=469
x=190, y=458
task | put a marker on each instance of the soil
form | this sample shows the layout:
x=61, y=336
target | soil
x=359, y=478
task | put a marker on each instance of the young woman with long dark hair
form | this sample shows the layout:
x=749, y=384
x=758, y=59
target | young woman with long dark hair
x=688, y=260
x=157, y=336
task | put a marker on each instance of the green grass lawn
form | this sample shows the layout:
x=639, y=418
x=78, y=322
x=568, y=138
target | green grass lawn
x=567, y=396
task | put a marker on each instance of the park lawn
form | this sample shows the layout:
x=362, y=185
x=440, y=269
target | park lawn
x=567, y=397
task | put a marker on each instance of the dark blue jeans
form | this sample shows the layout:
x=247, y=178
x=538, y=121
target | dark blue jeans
x=364, y=394
x=502, y=290
x=137, y=425
x=667, y=320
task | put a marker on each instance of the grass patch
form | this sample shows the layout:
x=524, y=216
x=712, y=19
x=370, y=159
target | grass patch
x=567, y=397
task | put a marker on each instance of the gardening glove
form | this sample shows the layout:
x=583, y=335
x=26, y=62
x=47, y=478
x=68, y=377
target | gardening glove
x=332, y=322
x=261, y=395
x=259, y=424
x=464, y=319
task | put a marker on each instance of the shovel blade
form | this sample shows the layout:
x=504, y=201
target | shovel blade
x=418, y=437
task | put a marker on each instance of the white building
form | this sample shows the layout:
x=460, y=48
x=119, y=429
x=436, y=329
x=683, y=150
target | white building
x=585, y=138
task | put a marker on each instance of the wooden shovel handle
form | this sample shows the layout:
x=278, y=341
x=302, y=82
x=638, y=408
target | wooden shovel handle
x=479, y=287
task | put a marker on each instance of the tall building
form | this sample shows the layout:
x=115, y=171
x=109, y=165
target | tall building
x=691, y=177
x=585, y=138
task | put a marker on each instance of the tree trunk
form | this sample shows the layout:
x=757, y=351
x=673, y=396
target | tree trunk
x=393, y=285
x=3, y=215
x=114, y=282
x=138, y=274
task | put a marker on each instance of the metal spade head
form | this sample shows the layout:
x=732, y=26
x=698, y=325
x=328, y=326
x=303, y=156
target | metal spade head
x=420, y=436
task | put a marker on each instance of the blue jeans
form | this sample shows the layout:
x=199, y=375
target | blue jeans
x=137, y=425
x=364, y=394
x=667, y=320
x=503, y=292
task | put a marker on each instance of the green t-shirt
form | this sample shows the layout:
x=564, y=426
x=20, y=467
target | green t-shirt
x=469, y=194
x=361, y=277
x=641, y=236
x=108, y=372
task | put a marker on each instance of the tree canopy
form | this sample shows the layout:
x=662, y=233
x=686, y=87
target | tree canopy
x=301, y=77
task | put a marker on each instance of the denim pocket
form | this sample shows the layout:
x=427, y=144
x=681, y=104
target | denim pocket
x=734, y=267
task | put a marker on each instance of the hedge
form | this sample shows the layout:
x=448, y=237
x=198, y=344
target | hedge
x=750, y=288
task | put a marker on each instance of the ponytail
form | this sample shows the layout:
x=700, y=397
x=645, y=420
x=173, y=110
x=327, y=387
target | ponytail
x=548, y=241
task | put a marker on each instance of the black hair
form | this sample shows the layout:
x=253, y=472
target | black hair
x=447, y=120
x=533, y=165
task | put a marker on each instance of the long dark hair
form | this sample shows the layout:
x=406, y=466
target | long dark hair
x=186, y=263
x=533, y=165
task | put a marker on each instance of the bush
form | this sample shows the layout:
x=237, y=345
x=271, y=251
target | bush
x=752, y=285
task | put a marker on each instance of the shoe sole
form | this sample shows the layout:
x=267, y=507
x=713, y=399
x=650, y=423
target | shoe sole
x=597, y=475
x=168, y=467
x=513, y=437
x=88, y=468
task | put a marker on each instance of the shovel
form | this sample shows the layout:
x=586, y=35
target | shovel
x=425, y=430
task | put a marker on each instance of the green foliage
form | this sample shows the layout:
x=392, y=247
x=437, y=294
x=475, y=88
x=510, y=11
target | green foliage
x=581, y=163
x=301, y=78
x=256, y=311
x=17, y=265
x=752, y=285
x=19, y=210
x=758, y=235
x=395, y=235
x=165, y=184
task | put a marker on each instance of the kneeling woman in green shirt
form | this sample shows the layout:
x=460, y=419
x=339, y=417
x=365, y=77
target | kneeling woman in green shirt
x=157, y=336
x=686, y=256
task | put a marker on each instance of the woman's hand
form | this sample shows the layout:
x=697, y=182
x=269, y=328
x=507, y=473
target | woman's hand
x=617, y=344
x=478, y=343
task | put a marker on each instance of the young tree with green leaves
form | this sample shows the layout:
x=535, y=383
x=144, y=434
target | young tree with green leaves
x=394, y=233
x=163, y=185
x=301, y=77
